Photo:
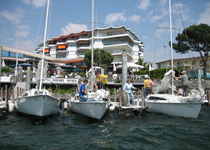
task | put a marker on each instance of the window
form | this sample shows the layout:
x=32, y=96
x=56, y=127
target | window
x=5, y=53
x=61, y=55
x=47, y=50
x=72, y=45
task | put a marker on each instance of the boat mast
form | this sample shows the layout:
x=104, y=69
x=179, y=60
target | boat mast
x=91, y=85
x=16, y=66
x=172, y=65
x=43, y=51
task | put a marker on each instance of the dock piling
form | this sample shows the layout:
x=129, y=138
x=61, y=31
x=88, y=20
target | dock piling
x=6, y=97
x=1, y=94
x=124, y=76
x=143, y=100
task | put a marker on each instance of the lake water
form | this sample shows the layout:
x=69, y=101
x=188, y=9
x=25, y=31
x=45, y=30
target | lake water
x=67, y=130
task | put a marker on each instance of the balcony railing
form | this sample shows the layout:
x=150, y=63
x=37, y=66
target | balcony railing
x=117, y=43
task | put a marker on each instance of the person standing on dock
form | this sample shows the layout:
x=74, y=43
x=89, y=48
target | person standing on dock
x=83, y=91
x=128, y=91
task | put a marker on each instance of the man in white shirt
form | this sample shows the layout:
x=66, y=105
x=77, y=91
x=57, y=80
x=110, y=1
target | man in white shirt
x=128, y=91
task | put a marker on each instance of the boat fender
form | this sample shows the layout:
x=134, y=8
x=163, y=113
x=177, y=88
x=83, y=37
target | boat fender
x=65, y=105
x=111, y=107
x=11, y=107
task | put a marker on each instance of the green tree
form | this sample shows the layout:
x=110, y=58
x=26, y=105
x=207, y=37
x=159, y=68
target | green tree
x=101, y=58
x=142, y=63
x=195, y=38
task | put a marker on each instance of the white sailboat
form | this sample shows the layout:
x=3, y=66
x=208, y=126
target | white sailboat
x=95, y=107
x=170, y=104
x=38, y=102
x=97, y=102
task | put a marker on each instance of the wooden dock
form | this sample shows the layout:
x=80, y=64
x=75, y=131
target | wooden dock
x=135, y=108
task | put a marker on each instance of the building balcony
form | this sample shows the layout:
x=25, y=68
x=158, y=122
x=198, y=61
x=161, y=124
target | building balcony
x=83, y=47
x=141, y=45
x=75, y=40
x=119, y=45
x=117, y=35
x=83, y=39
x=60, y=43
x=61, y=51
x=179, y=65
x=81, y=55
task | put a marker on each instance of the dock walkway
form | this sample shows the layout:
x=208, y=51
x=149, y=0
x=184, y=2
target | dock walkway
x=136, y=108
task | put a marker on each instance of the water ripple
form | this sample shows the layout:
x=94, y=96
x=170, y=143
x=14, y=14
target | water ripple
x=115, y=132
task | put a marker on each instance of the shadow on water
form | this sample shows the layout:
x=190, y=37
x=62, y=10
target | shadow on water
x=36, y=120
x=80, y=119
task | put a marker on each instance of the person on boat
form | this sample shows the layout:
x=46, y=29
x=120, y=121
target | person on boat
x=146, y=78
x=184, y=82
x=101, y=81
x=20, y=68
x=83, y=91
x=128, y=91
x=148, y=86
x=79, y=83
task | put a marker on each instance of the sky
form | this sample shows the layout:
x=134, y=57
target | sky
x=22, y=21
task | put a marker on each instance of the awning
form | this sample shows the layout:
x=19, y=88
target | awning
x=131, y=65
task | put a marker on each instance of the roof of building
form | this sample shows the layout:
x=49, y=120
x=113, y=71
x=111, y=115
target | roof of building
x=48, y=58
x=119, y=27
x=179, y=59
x=70, y=35
x=87, y=32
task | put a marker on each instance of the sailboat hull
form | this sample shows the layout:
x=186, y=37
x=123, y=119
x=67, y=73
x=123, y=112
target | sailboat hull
x=90, y=109
x=188, y=110
x=38, y=105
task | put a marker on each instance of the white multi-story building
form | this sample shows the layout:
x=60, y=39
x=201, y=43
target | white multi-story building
x=113, y=39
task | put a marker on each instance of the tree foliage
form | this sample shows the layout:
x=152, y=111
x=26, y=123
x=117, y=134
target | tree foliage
x=101, y=58
x=195, y=38
x=142, y=63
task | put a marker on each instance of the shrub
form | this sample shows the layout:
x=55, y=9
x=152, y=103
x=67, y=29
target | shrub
x=156, y=74
x=118, y=81
x=82, y=74
x=7, y=70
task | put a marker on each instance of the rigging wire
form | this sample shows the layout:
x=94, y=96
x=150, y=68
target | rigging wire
x=175, y=32
x=190, y=52
x=39, y=28
x=50, y=21
x=183, y=26
x=157, y=32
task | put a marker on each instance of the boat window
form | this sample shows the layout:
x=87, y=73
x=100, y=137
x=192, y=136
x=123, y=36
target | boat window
x=156, y=98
